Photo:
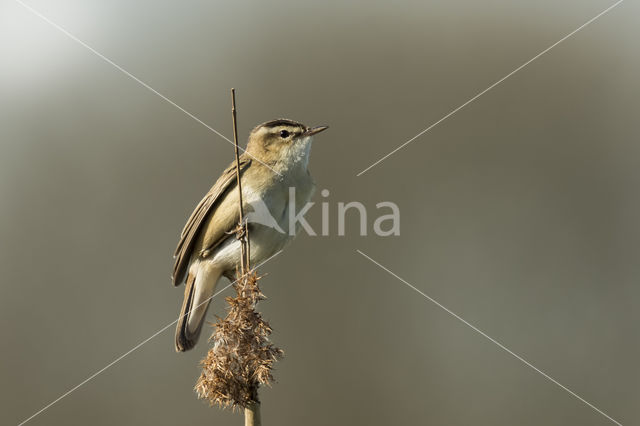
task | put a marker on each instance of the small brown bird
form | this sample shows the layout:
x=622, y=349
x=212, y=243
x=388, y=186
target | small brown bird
x=276, y=160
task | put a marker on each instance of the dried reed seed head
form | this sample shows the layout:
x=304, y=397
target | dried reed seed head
x=241, y=358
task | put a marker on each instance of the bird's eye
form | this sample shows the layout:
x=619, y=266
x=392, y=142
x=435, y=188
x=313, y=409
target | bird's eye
x=284, y=134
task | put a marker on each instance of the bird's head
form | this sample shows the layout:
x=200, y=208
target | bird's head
x=282, y=144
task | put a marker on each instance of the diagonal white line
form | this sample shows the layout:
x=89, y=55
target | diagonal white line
x=136, y=347
x=490, y=87
x=492, y=340
x=133, y=77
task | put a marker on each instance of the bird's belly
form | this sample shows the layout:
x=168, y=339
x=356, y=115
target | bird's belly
x=269, y=227
x=264, y=242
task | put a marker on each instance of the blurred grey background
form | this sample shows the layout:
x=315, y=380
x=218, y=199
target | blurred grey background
x=519, y=213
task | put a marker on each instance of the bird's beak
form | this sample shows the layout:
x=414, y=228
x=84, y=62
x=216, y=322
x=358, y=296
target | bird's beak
x=313, y=130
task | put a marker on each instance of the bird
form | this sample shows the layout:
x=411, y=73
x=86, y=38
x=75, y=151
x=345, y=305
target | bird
x=273, y=173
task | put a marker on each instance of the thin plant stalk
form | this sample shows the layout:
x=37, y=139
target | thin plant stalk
x=252, y=415
x=243, y=227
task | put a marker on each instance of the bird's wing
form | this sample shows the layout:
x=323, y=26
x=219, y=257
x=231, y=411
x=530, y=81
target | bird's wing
x=206, y=207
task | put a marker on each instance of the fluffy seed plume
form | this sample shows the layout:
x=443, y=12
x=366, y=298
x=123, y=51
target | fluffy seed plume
x=242, y=357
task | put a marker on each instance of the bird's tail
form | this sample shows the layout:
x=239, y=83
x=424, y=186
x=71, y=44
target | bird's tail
x=198, y=291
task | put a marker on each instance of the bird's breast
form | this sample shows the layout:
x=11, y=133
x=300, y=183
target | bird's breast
x=268, y=207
